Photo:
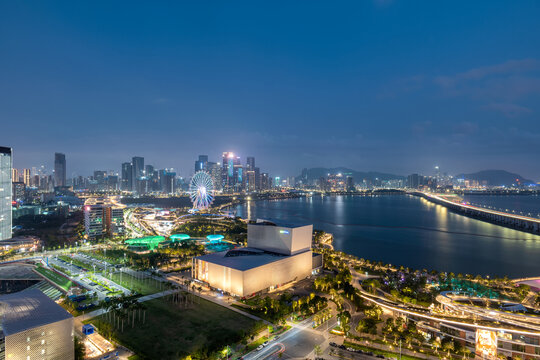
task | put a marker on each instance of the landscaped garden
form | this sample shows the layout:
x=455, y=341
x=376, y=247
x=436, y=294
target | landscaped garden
x=55, y=277
x=174, y=330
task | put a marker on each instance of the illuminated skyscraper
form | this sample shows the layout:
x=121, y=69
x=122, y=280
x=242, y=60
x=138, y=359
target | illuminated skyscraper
x=127, y=176
x=27, y=177
x=59, y=169
x=215, y=172
x=5, y=193
x=14, y=175
x=227, y=171
x=137, y=167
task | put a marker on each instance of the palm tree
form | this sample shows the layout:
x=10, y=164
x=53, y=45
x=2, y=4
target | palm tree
x=436, y=344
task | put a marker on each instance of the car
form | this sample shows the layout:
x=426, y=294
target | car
x=259, y=348
x=265, y=343
x=333, y=344
x=380, y=356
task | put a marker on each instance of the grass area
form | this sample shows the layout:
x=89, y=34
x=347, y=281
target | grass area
x=56, y=278
x=172, y=331
x=143, y=286
x=386, y=354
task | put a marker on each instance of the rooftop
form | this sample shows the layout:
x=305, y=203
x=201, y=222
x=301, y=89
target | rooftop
x=28, y=309
x=242, y=259
x=277, y=223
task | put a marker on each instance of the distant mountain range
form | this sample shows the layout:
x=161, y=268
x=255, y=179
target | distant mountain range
x=359, y=176
x=496, y=178
x=492, y=177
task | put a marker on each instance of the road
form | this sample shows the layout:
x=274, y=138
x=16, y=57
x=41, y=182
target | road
x=298, y=342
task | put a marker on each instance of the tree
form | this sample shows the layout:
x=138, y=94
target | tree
x=465, y=351
x=80, y=349
x=436, y=344
x=448, y=345
x=317, y=350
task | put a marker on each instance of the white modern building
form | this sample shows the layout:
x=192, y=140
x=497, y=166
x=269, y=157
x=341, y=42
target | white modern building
x=275, y=255
x=32, y=326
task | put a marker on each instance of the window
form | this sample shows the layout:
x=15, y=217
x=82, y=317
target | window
x=28, y=339
x=516, y=347
x=42, y=342
x=42, y=351
x=28, y=348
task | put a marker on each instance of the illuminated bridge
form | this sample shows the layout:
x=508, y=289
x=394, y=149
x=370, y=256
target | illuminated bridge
x=519, y=222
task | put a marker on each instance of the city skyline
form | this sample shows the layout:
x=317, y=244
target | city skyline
x=244, y=160
x=265, y=180
x=375, y=91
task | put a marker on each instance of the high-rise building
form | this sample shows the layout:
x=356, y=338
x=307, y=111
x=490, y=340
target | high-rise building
x=100, y=175
x=214, y=169
x=5, y=193
x=19, y=191
x=250, y=180
x=137, y=164
x=202, y=163
x=14, y=175
x=239, y=178
x=27, y=177
x=413, y=181
x=167, y=181
x=227, y=171
x=102, y=217
x=127, y=176
x=59, y=169
x=349, y=184
x=250, y=163
x=265, y=181
x=148, y=171
x=257, y=179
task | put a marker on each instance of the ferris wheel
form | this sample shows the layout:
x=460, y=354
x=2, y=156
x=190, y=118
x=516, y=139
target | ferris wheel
x=201, y=190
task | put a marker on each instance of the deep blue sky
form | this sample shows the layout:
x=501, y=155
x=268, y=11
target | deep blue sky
x=394, y=86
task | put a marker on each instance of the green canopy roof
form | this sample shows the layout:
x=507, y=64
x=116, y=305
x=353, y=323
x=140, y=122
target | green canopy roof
x=150, y=241
x=180, y=237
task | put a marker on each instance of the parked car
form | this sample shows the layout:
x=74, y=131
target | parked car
x=259, y=348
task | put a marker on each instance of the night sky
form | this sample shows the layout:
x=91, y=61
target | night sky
x=393, y=86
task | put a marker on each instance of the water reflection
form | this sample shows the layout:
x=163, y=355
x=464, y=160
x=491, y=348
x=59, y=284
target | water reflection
x=410, y=231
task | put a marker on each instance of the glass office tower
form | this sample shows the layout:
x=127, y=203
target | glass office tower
x=5, y=193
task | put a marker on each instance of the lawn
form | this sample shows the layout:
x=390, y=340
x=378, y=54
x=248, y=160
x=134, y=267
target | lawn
x=143, y=286
x=172, y=331
x=56, y=278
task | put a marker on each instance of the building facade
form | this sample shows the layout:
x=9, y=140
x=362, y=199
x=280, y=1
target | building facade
x=59, y=169
x=35, y=327
x=5, y=193
x=275, y=256
x=103, y=218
